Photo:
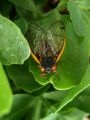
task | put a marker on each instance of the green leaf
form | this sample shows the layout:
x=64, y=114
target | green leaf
x=26, y=107
x=86, y=15
x=75, y=91
x=82, y=101
x=23, y=78
x=41, y=4
x=26, y=4
x=40, y=108
x=5, y=7
x=26, y=14
x=77, y=18
x=34, y=69
x=14, y=48
x=84, y=4
x=74, y=61
x=49, y=19
x=37, y=110
x=21, y=104
x=5, y=93
x=87, y=18
x=22, y=24
x=53, y=116
x=55, y=95
x=73, y=114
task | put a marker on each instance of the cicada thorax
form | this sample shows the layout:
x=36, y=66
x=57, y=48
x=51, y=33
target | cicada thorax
x=47, y=46
x=46, y=58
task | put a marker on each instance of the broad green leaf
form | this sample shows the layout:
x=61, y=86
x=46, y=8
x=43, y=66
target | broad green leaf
x=5, y=93
x=34, y=69
x=83, y=4
x=37, y=110
x=55, y=95
x=5, y=7
x=40, y=108
x=77, y=18
x=82, y=101
x=87, y=18
x=73, y=114
x=53, y=116
x=21, y=104
x=60, y=95
x=49, y=19
x=22, y=24
x=26, y=4
x=86, y=15
x=23, y=78
x=41, y=4
x=14, y=48
x=26, y=14
x=71, y=68
x=75, y=91
x=26, y=107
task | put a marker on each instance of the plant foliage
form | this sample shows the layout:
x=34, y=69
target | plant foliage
x=24, y=94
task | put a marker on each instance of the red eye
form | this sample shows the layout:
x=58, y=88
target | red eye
x=42, y=69
x=54, y=68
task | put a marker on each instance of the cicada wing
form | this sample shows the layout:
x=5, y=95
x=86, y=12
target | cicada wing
x=56, y=39
x=36, y=38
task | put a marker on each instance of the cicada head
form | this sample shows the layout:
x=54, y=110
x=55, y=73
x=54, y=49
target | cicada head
x=48, y=64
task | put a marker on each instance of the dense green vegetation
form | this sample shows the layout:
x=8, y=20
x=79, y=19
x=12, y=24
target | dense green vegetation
x=24, y=94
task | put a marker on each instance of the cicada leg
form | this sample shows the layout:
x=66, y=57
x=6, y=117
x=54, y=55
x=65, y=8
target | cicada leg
x=43, y=75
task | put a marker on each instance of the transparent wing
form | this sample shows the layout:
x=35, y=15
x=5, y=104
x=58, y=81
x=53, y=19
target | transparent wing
x=55, y=37
x=36, y=37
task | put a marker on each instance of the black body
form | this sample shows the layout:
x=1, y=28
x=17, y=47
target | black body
x=47, y=62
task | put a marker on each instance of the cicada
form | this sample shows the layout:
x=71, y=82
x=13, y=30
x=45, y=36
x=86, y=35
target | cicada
x=47, y=46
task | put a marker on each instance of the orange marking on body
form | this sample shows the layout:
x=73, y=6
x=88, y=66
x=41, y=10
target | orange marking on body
x=59, y=56
x=42, y=69
x=35, y=58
